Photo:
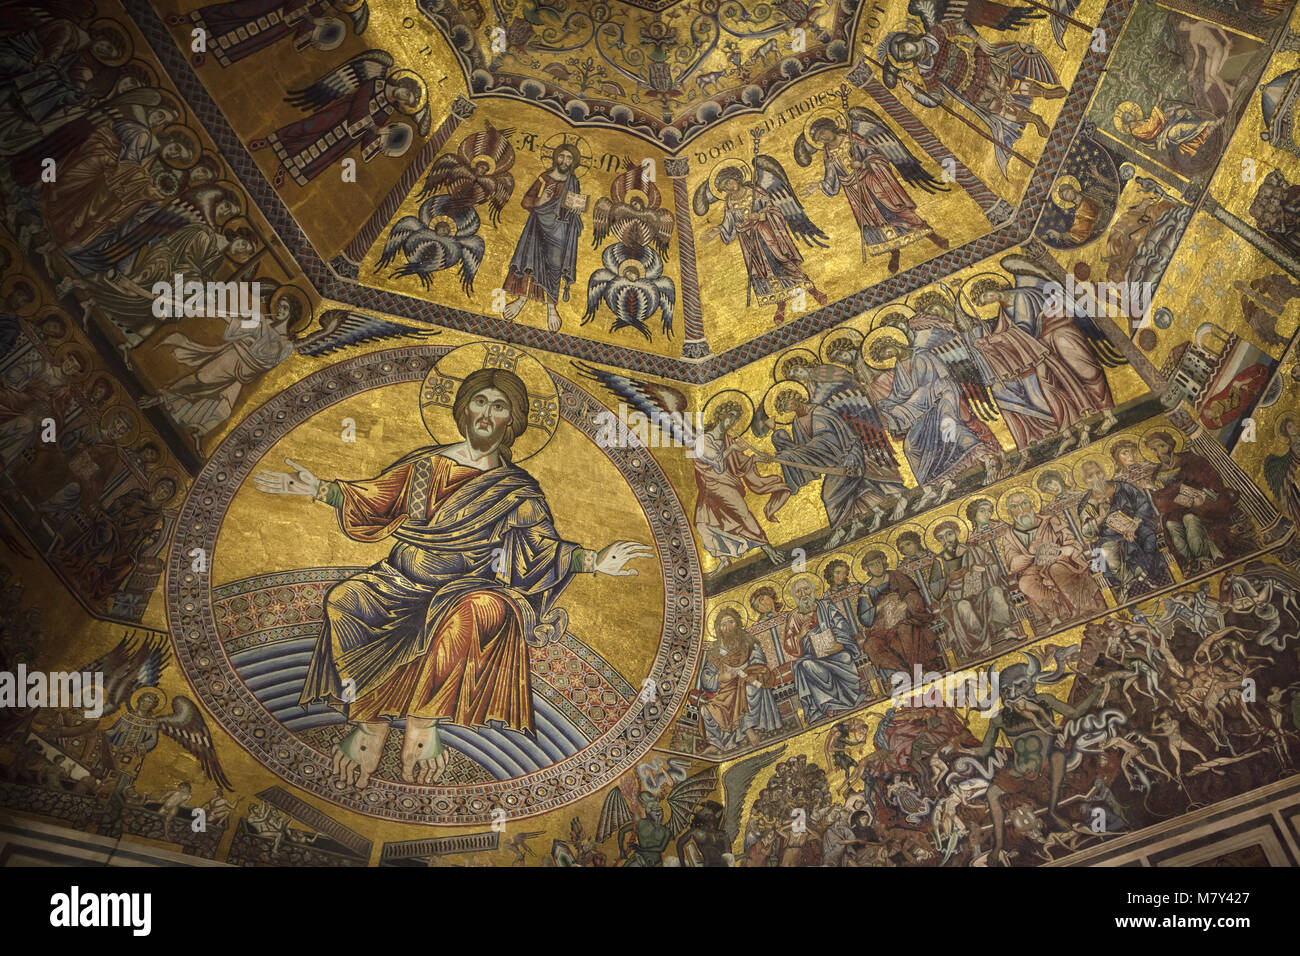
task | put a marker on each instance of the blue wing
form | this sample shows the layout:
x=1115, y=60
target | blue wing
x=663, y=405
x=341, y=329
x=769, y=176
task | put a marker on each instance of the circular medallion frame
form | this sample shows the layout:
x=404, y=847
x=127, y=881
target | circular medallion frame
x=208, y=670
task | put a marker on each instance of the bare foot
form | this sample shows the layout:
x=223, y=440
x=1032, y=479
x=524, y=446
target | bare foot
x=357, y=755
x=423, y=757
x=553, y=320
x=511, y=310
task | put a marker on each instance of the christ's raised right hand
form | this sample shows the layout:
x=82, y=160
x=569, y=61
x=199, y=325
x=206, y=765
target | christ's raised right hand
x=301, y=482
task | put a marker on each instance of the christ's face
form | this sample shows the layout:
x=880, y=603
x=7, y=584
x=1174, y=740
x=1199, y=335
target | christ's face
x=488, y=418
x=563, y=160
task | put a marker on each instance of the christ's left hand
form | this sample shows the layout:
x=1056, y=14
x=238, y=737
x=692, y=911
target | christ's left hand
x=612, y=558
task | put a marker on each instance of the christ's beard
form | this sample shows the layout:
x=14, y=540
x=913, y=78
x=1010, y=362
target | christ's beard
x=484, y=443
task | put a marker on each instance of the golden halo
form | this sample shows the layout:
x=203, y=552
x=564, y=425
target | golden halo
x=963, y=530
x=886, y=312
x=977, y=285
x=296, y=295
x=433, y=221
x=1126, y=113
x=117, y=411
x=749, y=595
x=891, y=556
x=777, y=390
x=105, y=25
x=733, y=395
x=802, y=576
x=848, y=332
x=923, y=301
x=491, y=163
x=888, y=333
x=1001, y=503
x=1115, y=440
x=728, y=163
x=1174, y=434
x=438, y=393
x=830, y=559
x=423, y=98
x=181, y=131
x=157, y=692
x=823, y=111
x=173, y=475
x=80, y=353
x=636, y=194
x=576, y=143
x=1056, y=192
x=1076, y=472
x=711, y=632
x=779, y=373
x=8, y=287
x=891, y=536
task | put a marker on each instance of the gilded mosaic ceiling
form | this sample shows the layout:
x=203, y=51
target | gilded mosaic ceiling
x=634, y=433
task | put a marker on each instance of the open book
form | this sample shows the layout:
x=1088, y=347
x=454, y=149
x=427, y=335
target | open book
x=576, y=202
x=1120, y=522
x=824, y=643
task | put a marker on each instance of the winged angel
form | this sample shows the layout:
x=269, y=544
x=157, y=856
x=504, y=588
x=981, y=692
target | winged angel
x=725, y=466
x=362, y=101
x=998, y=82
x=864, y=160
x=763, y=214
x=131, y=672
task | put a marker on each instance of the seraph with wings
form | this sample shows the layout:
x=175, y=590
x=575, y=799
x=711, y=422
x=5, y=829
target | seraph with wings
x=662, y=405
x=442, y=234
x=478, y=172
x=875, y=134
x=768, y=177
x=633, y=211
x=341, y=329
x=632, y=284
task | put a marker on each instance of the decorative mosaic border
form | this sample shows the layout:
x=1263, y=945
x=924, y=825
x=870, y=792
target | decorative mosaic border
x=199, y=653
